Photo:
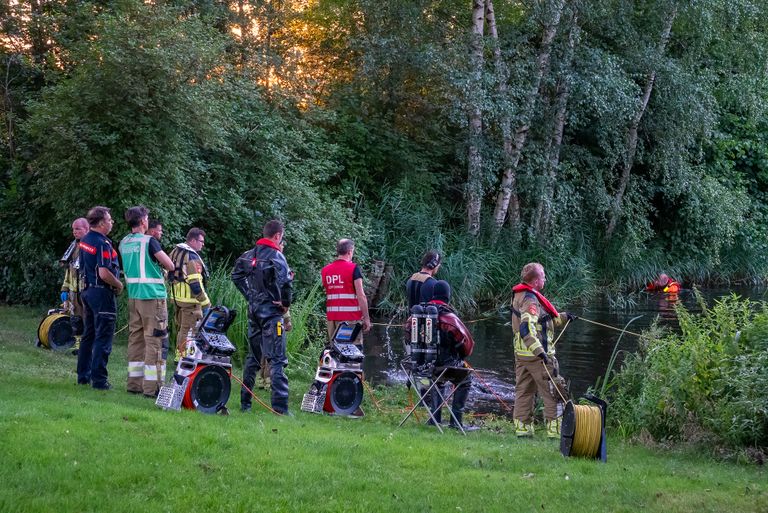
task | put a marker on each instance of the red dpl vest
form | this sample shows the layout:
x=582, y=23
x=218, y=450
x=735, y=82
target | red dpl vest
x=340, y=297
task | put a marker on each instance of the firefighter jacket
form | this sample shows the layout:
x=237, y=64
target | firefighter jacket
x=188, y=278
x=73, y=282
x=262, y=275
x=533, y=323
x=340, y=296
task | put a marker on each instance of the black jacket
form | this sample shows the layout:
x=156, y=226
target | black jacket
x=262, y=275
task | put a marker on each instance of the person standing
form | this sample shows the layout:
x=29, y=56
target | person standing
x=155, y=229
x=418, y=288
x=262, y=275
x=147, y=309
x=101, y=273
x=533, y=322
x=187, y=281
x=345, y=299
x=73, y=285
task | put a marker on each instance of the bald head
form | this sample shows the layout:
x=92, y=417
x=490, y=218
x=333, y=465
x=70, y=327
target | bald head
x=80, y=227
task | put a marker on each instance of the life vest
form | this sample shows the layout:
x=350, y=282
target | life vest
x=672, y=287
x=340, y=296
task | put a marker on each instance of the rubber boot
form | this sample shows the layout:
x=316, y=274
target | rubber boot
x=553, y=428
x=522, y=429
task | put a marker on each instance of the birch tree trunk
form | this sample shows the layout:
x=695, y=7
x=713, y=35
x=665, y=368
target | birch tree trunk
x=474, y=158
x=507, y=200
x=632, y=133
x=543, y=217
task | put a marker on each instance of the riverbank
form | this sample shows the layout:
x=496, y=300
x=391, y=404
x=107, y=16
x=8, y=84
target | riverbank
x=68, y=448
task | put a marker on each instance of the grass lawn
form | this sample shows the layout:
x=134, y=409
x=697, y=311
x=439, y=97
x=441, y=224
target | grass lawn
x=67, y=448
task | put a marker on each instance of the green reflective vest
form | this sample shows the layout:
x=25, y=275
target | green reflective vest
x=142, y=274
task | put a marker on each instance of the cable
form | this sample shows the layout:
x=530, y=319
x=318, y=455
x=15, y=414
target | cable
x=255, y=396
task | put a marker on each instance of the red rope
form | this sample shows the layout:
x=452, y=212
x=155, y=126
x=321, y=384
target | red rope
x=489, y=388
x=255, y=396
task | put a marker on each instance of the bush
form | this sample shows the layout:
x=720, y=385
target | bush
x=704, y=385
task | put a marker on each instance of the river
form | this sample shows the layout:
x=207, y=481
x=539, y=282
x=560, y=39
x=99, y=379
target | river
x=583, y=351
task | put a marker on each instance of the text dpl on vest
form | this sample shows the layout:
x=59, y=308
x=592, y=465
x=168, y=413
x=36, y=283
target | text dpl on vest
x=334, y=279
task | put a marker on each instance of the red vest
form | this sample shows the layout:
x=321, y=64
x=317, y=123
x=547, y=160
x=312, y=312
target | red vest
x=340, y=297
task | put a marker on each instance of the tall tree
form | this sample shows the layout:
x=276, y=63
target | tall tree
x=628, y=159
x=543, y=215
x=474, y=155
x=507, y=201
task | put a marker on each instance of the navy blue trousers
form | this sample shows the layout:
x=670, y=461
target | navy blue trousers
x=100, y=316
x=268, y=335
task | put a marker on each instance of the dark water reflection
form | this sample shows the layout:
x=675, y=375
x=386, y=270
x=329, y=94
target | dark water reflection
x=583, y=351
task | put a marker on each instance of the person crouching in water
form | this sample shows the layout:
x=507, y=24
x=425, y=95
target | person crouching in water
x=533, y=323
x=456, y=344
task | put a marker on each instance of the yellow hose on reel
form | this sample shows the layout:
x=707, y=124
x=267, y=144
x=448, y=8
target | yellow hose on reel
x=55, y=332
x=589, y=424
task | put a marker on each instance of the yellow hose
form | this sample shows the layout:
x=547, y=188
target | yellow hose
x=589, y=424
x=45, y=327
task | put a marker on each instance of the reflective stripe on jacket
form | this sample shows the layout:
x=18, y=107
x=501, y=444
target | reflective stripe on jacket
x=340, y=297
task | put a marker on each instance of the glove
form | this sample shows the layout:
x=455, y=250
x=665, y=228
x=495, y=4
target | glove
x=64, y=296
x=543, y=357
x=571, y=316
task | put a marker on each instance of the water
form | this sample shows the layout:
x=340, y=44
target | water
x=583, y=351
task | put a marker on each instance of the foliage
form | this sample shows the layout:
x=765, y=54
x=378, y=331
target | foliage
x=705, y=385
x=349, y=118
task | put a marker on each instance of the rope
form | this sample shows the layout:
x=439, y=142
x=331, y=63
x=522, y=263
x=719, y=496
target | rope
x=265, y=405
x=506, y=407
x=610, y=327
x=373, y=398
x=586, y=437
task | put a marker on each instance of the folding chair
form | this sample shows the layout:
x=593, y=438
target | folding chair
x=435, y=377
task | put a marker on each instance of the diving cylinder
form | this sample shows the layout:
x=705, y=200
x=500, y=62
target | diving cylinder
x=417, y=334
x=431, y=334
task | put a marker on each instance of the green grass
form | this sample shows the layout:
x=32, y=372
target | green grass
x=66, y=448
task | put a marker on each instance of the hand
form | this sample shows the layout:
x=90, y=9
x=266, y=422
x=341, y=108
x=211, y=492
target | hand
x=366, y=325
x=571, y=316
x=287, y=324
x=543, y=357
x=119, y=290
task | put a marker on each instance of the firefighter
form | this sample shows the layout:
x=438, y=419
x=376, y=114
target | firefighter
x=456, y=344
x=101, y=274
x=147, y=310
x=187, y=281
x=345, y=299
x=262, y=275
x=664, y=284
x=533, y=322
x=73, y=285
x=418, y=288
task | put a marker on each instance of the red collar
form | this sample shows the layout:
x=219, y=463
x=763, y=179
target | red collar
x=438, y=302
x=269, y=243
x=551, y=310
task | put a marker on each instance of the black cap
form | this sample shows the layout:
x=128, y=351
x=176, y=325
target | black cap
x=442, y=291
